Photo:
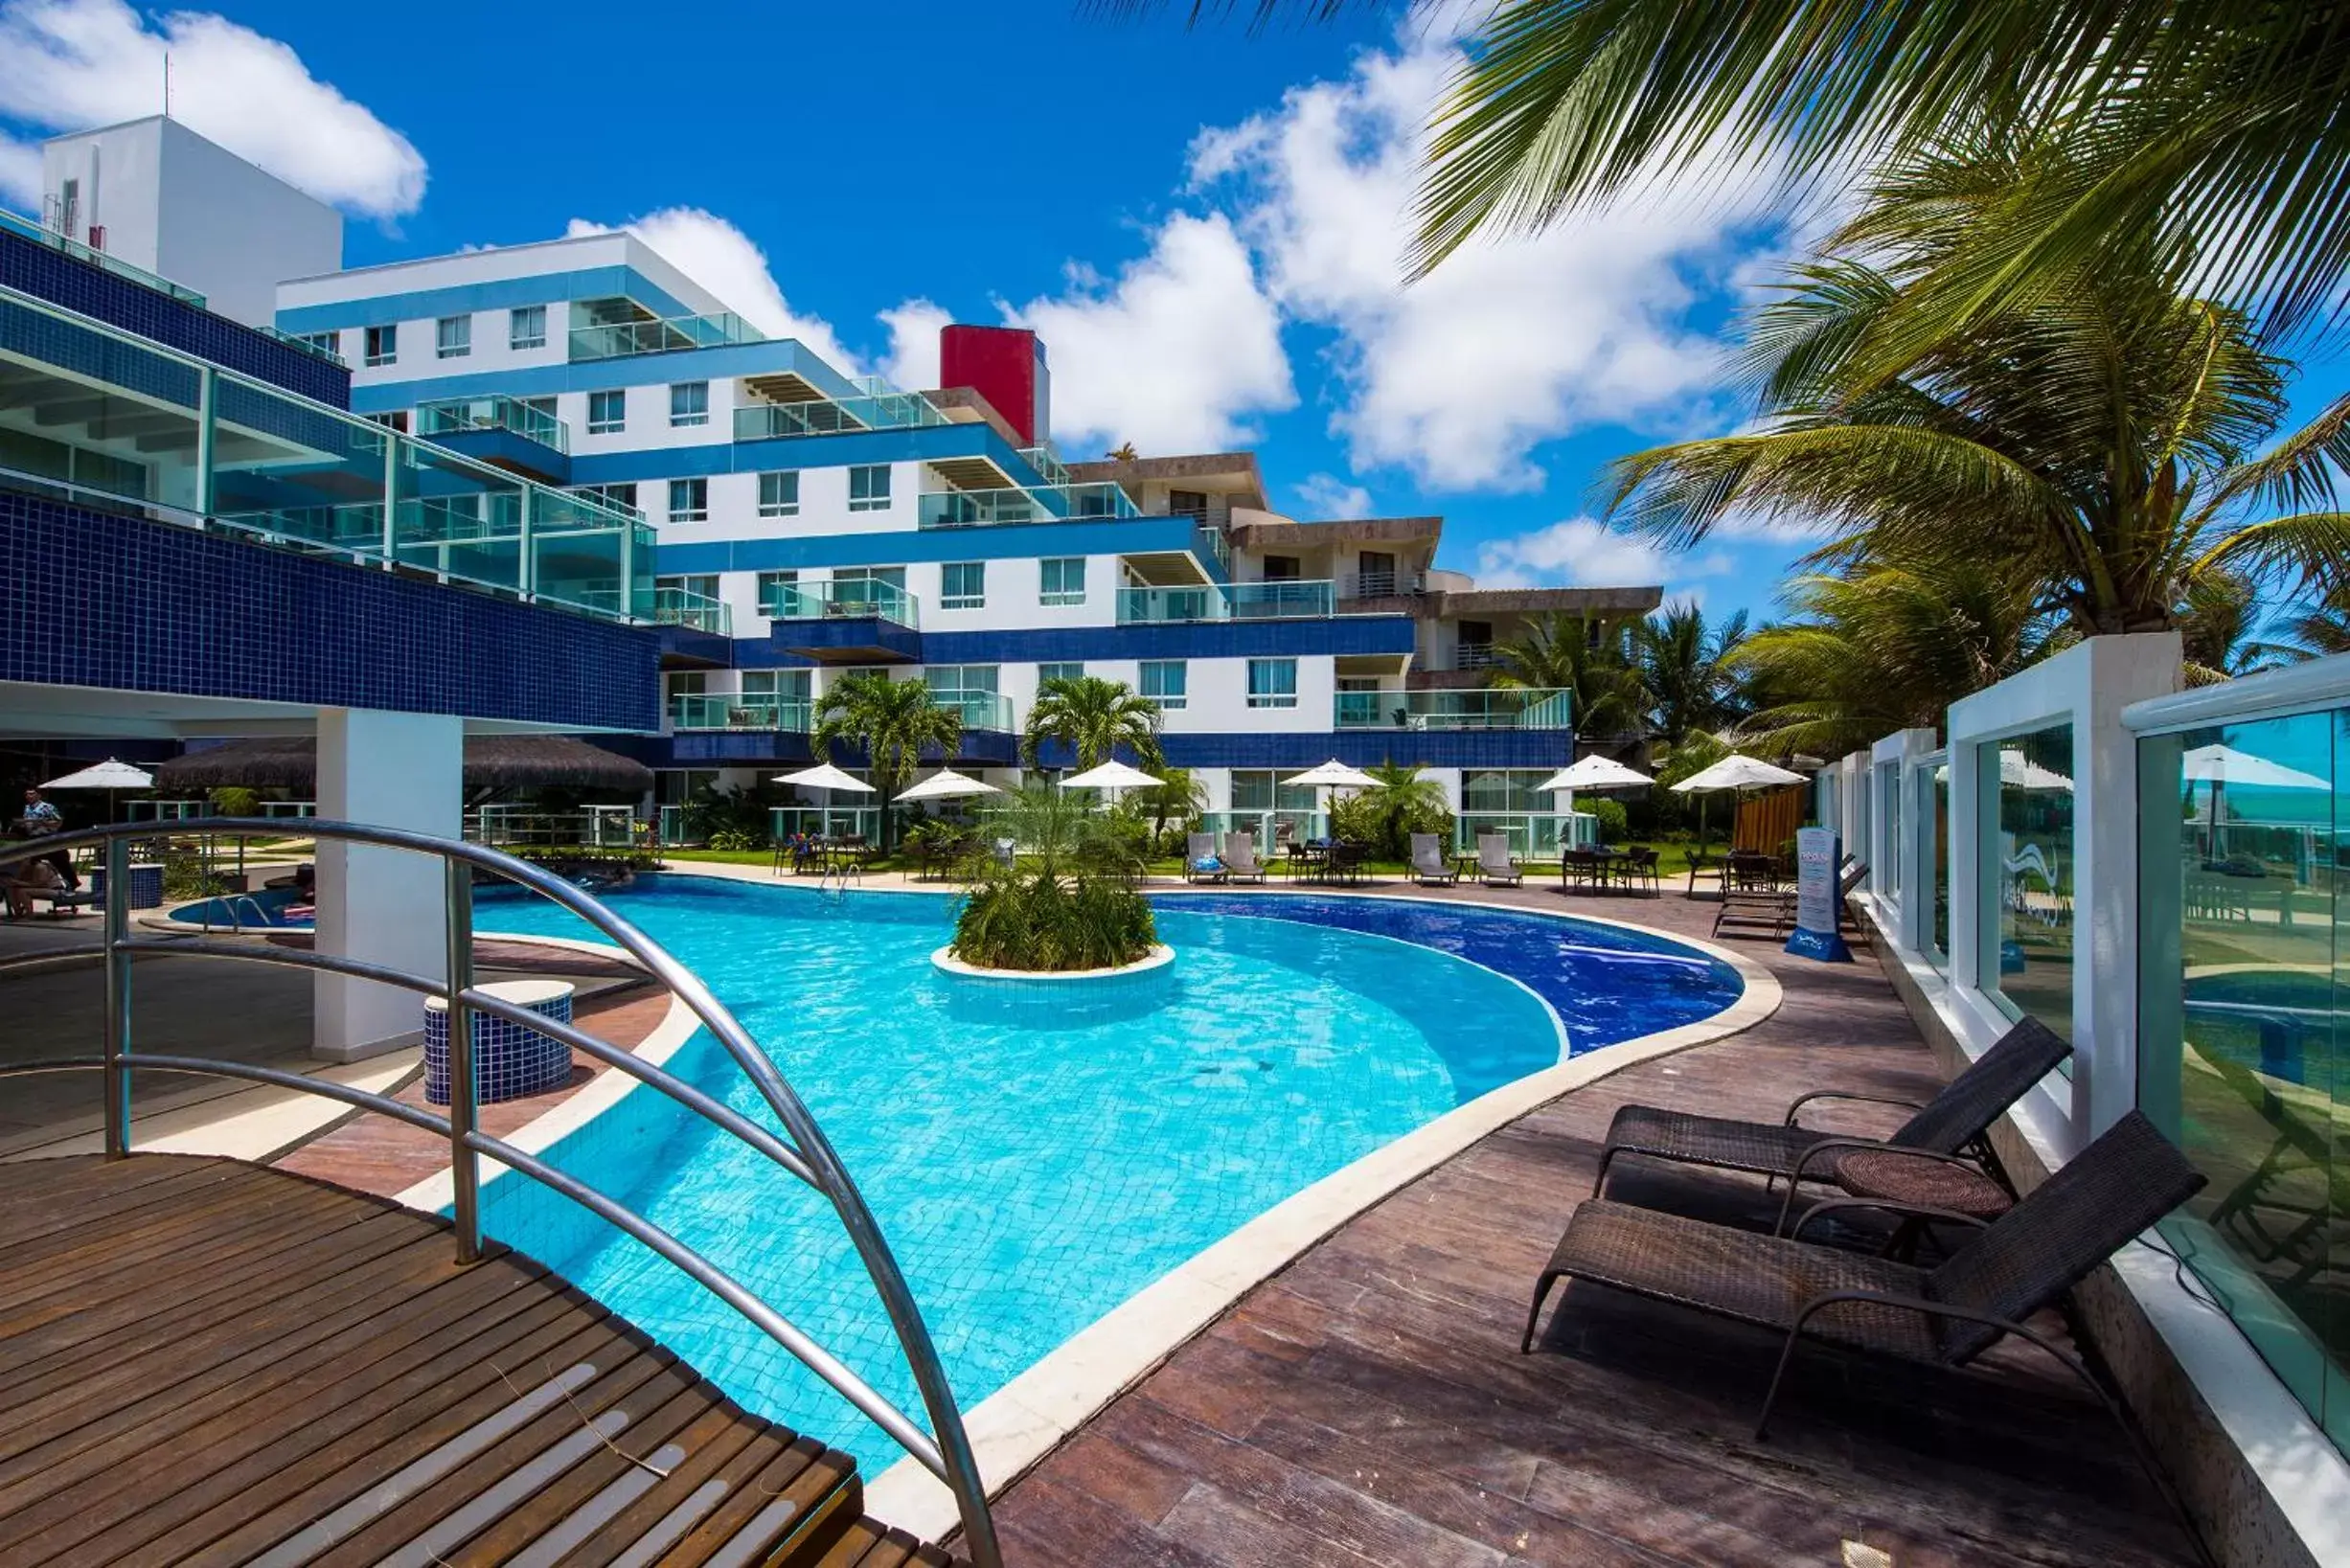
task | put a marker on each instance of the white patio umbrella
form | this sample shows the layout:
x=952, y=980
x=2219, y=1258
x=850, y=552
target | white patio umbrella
x=826, y=777
x=1111, y=776
x=1595, y=773
x=1736, y=771
x=2218, y=766
x=109, y=776
x=1333, y=775
x=947, y=784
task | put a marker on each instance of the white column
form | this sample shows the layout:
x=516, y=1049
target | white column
x=386, y=770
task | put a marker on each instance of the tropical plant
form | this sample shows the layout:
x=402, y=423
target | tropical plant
x=1405, y=801
x=1094, y=717
x=1565, y=653
x=894, y=721
x=1179, y=797
x=1123, y=452
x=1066, y=900
x=2098, y=444
x=2218, y=628
x=1685, y=672
x=739, y=816
x=2191, y=115
x=1884, y=648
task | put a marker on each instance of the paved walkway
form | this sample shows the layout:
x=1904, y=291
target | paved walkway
x=1369, y=1404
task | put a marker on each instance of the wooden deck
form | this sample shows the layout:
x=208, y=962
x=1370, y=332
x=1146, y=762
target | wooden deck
x=1369, y=1404
x=203, y=1361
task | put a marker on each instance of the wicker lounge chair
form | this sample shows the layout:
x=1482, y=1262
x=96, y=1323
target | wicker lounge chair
x=1495, y=868
x=1240, y=862
x=1944, y=1316
x=1952, y=1122
x=1428, y=863
x=1201, y=863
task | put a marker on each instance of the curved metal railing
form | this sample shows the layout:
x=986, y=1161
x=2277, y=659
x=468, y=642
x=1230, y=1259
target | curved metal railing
x=945, y=1450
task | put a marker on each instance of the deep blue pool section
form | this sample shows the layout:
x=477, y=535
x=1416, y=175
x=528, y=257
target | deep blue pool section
x=1607, y=982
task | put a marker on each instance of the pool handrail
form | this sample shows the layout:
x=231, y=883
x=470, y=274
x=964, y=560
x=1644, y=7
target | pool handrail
x=945, y=1450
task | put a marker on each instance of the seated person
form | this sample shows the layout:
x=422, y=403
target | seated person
x=26, y=880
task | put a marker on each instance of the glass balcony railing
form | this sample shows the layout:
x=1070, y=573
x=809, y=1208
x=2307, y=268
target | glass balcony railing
x=841, y=598
x=1210, y=542
x=224, y=452
x=1236, y=602
x=737, y=711
x=1047, y=463
x=980, y=710
x=1490, y=708
x=16, y=223
x=836, y=417
x=1045, y=504
x=460, y=415
x=620, y=340
x=674, y=606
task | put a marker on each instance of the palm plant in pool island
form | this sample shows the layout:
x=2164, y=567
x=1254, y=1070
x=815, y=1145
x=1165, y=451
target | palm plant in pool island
x=1064, y=900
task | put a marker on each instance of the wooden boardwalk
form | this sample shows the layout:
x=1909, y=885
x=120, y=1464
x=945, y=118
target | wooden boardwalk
x=207, y=1362
x=1369, y=1404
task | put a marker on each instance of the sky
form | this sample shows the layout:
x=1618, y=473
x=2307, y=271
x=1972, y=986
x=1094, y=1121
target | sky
x=1205, y=225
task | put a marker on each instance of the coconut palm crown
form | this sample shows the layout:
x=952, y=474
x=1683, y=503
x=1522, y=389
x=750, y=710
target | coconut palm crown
x=1094, y=717
x=894, y=721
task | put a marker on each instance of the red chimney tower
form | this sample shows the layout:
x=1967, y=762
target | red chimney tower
x=1006, y=366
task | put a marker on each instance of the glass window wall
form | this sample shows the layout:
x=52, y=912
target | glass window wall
x=2024, y=963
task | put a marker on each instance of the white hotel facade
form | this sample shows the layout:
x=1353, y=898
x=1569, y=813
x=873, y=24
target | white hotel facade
x=811, y=524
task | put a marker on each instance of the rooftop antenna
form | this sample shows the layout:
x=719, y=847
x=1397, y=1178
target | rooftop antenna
x=167, y=85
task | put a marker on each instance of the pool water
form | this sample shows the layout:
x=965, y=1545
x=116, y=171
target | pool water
x=1035, y=1160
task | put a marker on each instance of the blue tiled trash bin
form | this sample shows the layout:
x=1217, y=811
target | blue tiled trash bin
x=510, y=1061
x=146, y=885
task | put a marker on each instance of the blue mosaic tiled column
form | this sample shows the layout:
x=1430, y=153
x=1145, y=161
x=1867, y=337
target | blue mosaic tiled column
x=511, y=1061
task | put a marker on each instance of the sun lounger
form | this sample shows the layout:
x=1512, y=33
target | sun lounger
x=1496, y=867
x=1201, y=861
x=1428, y=862
x=1241, y=863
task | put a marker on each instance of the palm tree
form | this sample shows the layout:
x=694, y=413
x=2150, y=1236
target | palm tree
x=1685, y=670
x=2219, y=626
x=1095, y=717
x=1560, y=652
x=1406, y=801
x=894, y=721
x=2098, y=443
x=1884, y=649
x=1181, y=795
x=1123, y=452
x=2195, y=112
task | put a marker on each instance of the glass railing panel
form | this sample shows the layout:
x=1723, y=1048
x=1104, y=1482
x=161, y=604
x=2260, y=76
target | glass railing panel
x=1533, y=836
x=732, y=710
x=1362, y=710
x=1497, y=707
x=591, y=556
x=23, y=227
x=1047, y=463
x=1280, y=601
x=290, y=473
x=459, y=518
x=828, y=820
x=980, y=710
x=840, y=598
x=845, y=416
x=1212, y=543
x=619, y=339
x=1146, y=605
x=454, y=417
x=683, y=607
x=1043, y=504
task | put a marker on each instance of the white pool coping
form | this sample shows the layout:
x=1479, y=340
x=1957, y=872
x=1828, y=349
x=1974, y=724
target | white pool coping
x=1011, y=1430
x=1158, y=957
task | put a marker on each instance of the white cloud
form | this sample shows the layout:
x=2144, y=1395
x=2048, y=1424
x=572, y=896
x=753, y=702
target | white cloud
x=1175, y=354
x=727, y=263
x=72, y=64
x=913, y=359
x=1328, y=496
x=1511, y=342
x=1584, y=551
x=20, y=172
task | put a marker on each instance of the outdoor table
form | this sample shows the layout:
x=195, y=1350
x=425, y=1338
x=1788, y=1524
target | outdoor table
x=1464, y=863
x=1314, y=860
x=1892, y=1176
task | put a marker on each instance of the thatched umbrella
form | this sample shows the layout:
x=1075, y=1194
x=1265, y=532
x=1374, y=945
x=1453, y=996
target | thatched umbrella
x=492, y=762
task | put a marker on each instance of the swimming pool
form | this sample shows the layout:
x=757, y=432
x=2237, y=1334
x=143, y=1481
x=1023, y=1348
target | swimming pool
x=1035, y=1161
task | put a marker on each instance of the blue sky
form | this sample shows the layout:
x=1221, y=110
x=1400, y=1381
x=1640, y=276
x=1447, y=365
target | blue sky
x=1203, y=225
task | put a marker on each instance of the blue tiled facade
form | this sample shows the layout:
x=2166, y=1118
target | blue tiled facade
x=80, y=285
x=1291, y=749
x=128, y=605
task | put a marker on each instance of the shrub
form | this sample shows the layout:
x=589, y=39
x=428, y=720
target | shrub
x=1615, y=821
x=234, y=801
x=1031, y=921
x=737, y=840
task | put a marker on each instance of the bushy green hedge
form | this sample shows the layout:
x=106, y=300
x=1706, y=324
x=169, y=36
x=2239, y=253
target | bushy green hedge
x=1039, y=921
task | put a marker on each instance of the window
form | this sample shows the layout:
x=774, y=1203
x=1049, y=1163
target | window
x=689, y=404
x=2026, y=800
x=1063, y=582
x=382, y=344
x=779, y=595
x=963, y=585
x=611, y=495
x=1282, y=569
x=323, y=342
x=452, y=337
x=779, y=494
x=397, y=421
x=608, y=412
x=526, y=327
x=1058, y=673
x=1272, y=683
x=869, y=488
x=1165, y=682
x=688, y=500
x=1187, y=504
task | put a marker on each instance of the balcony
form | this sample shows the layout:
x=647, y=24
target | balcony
x=1474, y=656
x=1286, y=600
x=986, y=711
x=674, y=606
x=458, y=415
x=841, y=598
x=1045, y=504
x=26, y=228
x=1490, y=708
x=836, y=417
x=735, y=711
x=621, y=339
x=1047, y=463
x=1383, y=585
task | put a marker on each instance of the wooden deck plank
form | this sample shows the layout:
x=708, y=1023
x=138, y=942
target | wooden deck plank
x=806, y=1475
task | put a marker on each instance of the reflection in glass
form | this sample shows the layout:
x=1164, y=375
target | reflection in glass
x=2027, y=800
x=2242, y=997
x=1938, y=952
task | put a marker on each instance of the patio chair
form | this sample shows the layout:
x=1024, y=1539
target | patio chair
x=1240, y=862
x=1428, y=863
x=1201, y=863
x=1350, y=862
x=1954, y=1122
x=1582, y=868
x=1496, y=867
x=1640, y=867
x=2027, y=1260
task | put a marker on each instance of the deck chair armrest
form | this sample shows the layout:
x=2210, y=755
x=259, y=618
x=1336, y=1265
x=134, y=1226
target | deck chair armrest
x=1913, y=1211
x=1964, y=1314
x=1866, y=1098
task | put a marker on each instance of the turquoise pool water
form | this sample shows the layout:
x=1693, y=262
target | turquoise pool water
x=1035, y=1160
